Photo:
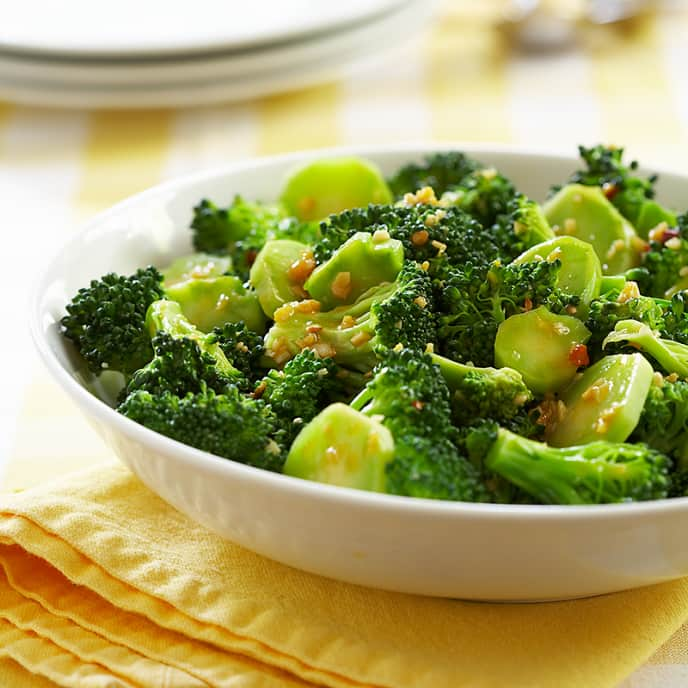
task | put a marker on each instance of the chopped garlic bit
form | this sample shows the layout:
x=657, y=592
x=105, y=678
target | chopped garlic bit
x=601, y=425
x=441, y=248
x=598, y=391
x=554, y=255
x=657, y=379
x=671, y=378
x=360, y=338
x=424, y=196
x=429, y=348
x=341, y=285
x=432, y=219
x=629, y=291
x=420, y=301
x=300, y=269
x=570, y=225
x=425, y=266
x=674, y=243
x=489, y=173
x=639, y=245
x=380, y=236
x=347, y=322
x=307, y=306
x=420, y=237
x=399, y=347
x=657, y=233
x=284, y=313
x=617, y=245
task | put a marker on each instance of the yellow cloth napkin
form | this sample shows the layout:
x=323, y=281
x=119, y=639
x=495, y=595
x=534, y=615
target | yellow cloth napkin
x=104, y=584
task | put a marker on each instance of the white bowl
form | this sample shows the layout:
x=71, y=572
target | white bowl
x=472, y=551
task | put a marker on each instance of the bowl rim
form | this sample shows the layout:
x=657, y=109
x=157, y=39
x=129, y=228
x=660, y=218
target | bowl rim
x=193, y=457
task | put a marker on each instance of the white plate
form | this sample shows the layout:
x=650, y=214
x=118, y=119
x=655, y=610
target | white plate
x=86, y=73
x=83, y=28
x=451, y=549
x=219, y=79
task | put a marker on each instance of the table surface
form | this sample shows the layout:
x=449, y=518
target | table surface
x=461, y=82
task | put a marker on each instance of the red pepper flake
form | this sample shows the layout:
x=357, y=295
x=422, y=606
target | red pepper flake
x=527, y=305
x=418, y=405
x=578, y=355
x=669, y=233
x=610, y=190
x=251, y=257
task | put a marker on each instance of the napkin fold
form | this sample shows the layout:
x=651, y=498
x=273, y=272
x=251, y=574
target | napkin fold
x=104, y=584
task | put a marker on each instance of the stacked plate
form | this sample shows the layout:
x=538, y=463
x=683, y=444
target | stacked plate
x=143, y=53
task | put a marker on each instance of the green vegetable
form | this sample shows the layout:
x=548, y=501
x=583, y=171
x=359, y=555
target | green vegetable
x=305, y=385
x=605, y=403
x=440, y=171
x=322, y=187
x=227, y=425
x=394, y=313
x=580, y=273
x=106, y=320
x=594, y=473
x=663, y=423
x=585, y=212
x=440, y=236
x=671, y=356
x=272, y=276
x=408, y=395
x=475, y=300
x=545, y=348
x=630, y=193
x=363, y=261
x=342, y=447
x=496, y=393
x=241, y=229
x=196, y=266
x=663, y=265
x=212, y=302
x=484, y=194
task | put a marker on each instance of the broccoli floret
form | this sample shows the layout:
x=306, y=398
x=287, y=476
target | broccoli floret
x=242, y=229
x=679, y=484
x=669, y=355
x=408, y=390
x=394, y=313
x=595, y=473
x=474, y=300
x=180, y=366
x=496, y=393
x=297, y=393
x=620, y=182
x=440, y=171
x=106, y=320
x=242, y=347
x=667, y=317
x=185, y=360
x=663, y=423
x=484, y=194
x=604, y=314
x=675, y=325
x=427, y=232
x=228, y=424
x=661, y=272
x=522, y=226
x=432, y=469
x=410, y=397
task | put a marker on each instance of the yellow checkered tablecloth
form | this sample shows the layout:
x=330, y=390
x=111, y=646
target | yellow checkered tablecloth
x=460, y=83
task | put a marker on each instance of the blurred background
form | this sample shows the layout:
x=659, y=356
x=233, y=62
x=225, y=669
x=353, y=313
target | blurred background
x=290, y=75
